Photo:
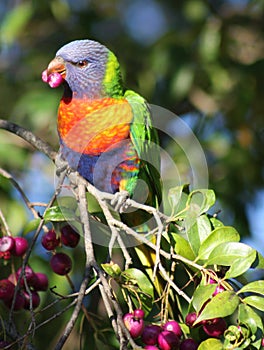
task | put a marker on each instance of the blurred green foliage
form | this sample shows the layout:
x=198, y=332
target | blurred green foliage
x=203, y=60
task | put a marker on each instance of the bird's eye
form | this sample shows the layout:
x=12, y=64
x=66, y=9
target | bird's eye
x=82, y=63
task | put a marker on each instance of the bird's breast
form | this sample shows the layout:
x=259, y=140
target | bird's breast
x=94, y=126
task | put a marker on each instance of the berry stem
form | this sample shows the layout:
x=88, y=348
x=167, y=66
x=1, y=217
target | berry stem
x=8, y=231
x=70, y=282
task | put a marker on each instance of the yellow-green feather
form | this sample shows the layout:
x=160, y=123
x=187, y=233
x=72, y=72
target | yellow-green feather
x=112, y=81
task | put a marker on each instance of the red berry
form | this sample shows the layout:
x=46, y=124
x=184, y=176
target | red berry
x=29, y=274
x=215, y=327
x=5, y=255
x=20, y=246
x=168, y=341
x=7, y=289
x=34, y=297
x=41, y=283
x=134, y=325
x=151, y=347
x=49, y=240
x=150, y=334
x=19, y=302
x=69, y=237
x=174, y=327
x=54, y=79
x=218, y=288
x=188, y=344
x=262, y=342
x=6, y=244
x=139, y=313
x=190, y=319
x=127, y=317
x=61, y=263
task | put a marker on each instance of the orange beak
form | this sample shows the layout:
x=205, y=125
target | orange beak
x=57, y=65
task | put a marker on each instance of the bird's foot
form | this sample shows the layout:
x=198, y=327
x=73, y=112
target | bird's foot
x=61, y=165
x=120, y=201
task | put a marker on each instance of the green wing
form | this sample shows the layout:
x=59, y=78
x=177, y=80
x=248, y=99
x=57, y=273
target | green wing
x=145, y=139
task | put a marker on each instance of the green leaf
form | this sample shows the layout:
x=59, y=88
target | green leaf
x=198, y=232
x=67, y=202
x=182, y=247
x=93, y=205
x=216, y=223
x=193, y=238
x=211, y=344
x=139, y=287
x=254, y=287
x=240, y=266
x=217, y=236
x=247, y=316
x=112, y=269
x=197, y=225
x=259, y=263
x=141, y=279
x=200, y=201
x=174, y=197
x=221, y=305
x=201, y=295
x=204, y=227
x=225, y=253
x=30, y=226
x=255, y=301
x=59, y=213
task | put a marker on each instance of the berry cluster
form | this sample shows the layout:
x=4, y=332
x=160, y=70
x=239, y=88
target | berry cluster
x=12, y=246
x=168, y=336
x=30, y=283
x=60, y=263
x=214, y=327
x=157, y=337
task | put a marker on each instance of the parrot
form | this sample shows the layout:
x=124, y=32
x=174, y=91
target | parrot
x=105, y=131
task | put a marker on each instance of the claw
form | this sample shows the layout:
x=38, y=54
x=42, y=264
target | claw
x=61, y=165
x=119, y=201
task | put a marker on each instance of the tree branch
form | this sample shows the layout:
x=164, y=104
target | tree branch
x=28, y=136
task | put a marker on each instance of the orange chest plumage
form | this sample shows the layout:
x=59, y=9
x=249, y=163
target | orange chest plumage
x=94, y=126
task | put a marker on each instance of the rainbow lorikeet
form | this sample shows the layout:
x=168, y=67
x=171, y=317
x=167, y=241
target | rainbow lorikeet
x=105, y=131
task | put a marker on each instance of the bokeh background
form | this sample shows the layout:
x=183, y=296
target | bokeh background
x=202, y=60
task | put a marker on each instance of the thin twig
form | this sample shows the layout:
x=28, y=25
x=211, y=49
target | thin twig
x=90, y=260
x=158, y=242
x=28, y=136
x=30, y=205
x=172, y=284
x=108, y=308
x=28, y=253
x=29, y=332
x=122, y=332
x=7, y=229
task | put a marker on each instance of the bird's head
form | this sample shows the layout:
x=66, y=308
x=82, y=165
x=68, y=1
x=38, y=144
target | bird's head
x=86, y=68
